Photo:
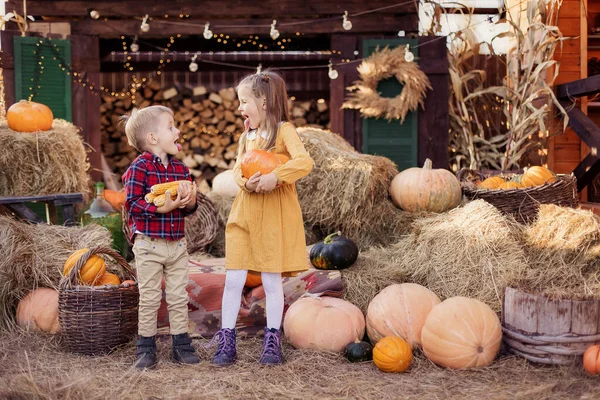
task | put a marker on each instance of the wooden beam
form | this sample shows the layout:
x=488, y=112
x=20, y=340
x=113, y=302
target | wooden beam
x=161, y=28
x=238, y=57
x=209, y=9
x=585, y=128
x=579, y=88
x=586, y=171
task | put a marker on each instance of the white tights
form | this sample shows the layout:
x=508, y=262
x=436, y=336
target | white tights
x=232, y=296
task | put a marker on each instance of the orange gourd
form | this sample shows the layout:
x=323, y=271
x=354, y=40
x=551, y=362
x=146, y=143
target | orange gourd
x=29, y=116
x=115, y=198
x=108, y=279
x=591, y=360
x=461, y=333
x=392, y=354
x=491, y=183
x=91, y=272
x=425, y=189
x=262, y=161
x=510, y=185
x=38, y=311
x=323, y=323
x=400, y=310
x=536, y=176
x=253, y=279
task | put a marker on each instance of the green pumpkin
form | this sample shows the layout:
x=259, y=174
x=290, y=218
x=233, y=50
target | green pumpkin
x=334, y=252
x=358, y=351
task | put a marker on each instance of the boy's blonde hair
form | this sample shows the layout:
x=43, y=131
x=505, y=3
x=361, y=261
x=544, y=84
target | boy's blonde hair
x=140, y=122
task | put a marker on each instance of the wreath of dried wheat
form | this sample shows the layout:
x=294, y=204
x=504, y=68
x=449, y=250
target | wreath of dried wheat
x=384, y=64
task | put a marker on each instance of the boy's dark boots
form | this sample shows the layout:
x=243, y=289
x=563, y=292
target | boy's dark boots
x=183, y=351
x=271, y=354
x=145, y=352
x=226, y=352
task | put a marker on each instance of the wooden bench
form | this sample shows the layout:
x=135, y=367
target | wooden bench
x=53, y=202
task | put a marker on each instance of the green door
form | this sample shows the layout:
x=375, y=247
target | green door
x=41, y=76
x=393, y=140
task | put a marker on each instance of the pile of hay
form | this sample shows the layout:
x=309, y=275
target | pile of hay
x=35, y=367
x=563, y=253
x=41, y=163
x=348, y=191
x=33, y=256
x=471, y=251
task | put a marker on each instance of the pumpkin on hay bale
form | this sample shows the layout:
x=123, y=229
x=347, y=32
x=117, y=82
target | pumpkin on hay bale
x=49, y=162
x=349, y=192
x=32, y=256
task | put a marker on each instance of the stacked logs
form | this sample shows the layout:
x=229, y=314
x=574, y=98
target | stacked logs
x=210, y=125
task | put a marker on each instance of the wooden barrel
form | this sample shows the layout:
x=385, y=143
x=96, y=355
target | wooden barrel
x=549, y=331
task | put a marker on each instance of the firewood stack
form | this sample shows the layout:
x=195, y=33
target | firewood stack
x=210, y=125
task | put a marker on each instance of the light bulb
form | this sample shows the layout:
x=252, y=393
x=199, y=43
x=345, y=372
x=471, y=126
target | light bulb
x=94, y=14
x=274, y=32
x=134, y=47
x=401, y=33
x=208, y=34
x=408, y=55
x=193, y=66
x=346, y=24
x=333, y=74
x=145, y=27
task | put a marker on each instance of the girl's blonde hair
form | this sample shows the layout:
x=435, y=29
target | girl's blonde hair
x=140, y=122
x=271, y=85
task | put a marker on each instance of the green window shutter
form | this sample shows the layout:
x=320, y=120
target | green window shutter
x=393, y=140
x=54, y=83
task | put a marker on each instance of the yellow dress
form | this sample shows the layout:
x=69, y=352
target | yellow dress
x=265, y=231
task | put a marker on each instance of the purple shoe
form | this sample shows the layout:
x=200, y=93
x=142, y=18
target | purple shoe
x=271, y=354
x=226, y=353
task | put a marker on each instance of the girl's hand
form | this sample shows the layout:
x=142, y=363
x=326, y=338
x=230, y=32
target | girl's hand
x=253, y=182
x=267, y=183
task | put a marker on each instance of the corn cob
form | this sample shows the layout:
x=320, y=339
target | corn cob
x=160, y=200
x=149, y=198
x=163, y=187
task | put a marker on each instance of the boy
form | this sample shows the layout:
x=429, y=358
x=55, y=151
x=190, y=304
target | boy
x=158, y=232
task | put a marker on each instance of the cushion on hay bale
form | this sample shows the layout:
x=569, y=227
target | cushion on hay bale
x=205, y=288
x=50, y=162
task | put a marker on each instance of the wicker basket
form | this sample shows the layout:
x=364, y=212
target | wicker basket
x=94, y=320
x=199, y=234
x=522, y=203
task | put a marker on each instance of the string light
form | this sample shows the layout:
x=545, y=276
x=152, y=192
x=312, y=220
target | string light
x=207, y=32
x=408, y=55
x=145, y=26
x=259, y=68
x=346, y=24
x=94, y=14
x=401, y=33
x=135, y=47
x=333, y=74
x=274, y=32
x=193, y=65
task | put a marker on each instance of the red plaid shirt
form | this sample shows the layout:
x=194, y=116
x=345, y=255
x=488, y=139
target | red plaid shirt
x=145, y=171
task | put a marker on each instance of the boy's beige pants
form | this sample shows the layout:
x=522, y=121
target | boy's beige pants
x=153, y=258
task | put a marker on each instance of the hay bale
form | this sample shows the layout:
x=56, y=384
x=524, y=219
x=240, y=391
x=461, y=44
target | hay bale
x=50, y=162
x=563, y=252
x=349, y=191
x=32, y=255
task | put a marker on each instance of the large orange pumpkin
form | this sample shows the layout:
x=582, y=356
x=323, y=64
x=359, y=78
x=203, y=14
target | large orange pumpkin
x=91, y=272
x=115, y=198
x=38, y=311
x=29, y=116
x=536, y=176
x=400, y=310
x=392, y=354
x=253, y=279
x=491, y=183
x=591, y=360
x=323, y=323
x=461, y=333
x=509, y=185
x=425, y=189
x=108, y=279
x=262, y=161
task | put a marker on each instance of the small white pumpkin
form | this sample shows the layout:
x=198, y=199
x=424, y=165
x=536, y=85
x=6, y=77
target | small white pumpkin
x=224, y=184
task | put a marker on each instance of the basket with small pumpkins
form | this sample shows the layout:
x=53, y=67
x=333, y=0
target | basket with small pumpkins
x=520, y=194
x=97, y=311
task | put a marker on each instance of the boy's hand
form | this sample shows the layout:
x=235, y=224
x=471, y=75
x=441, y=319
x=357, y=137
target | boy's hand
x=253, y=182
x=266, y=183
x=189, y=200
x=170, y=204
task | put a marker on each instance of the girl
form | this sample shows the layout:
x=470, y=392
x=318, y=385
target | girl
x=265, y=231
